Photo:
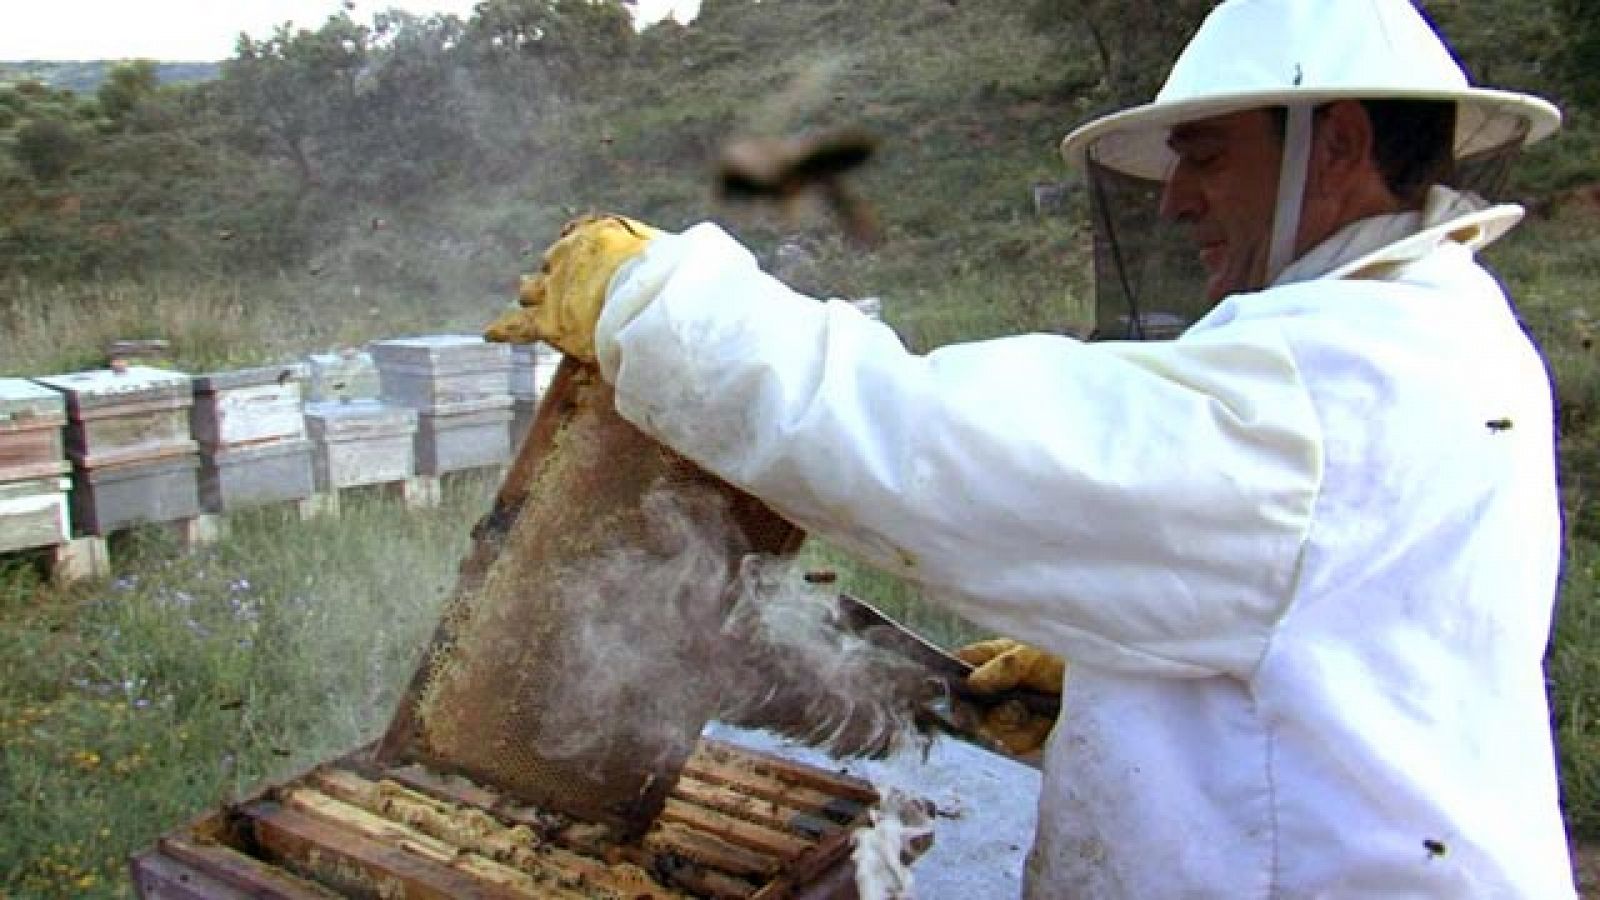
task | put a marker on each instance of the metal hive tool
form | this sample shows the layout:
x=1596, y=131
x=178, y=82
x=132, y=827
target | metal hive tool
x=576, y=663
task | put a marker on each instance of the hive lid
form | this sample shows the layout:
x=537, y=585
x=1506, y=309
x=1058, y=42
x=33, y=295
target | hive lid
x=442, y=351
x=142, y=468
x=98, y=388
x=533, y=366
x=358, y=418
x=232, y=456
x=342, y=376
x=486, y=409
x=22, y=400
x=243, y=378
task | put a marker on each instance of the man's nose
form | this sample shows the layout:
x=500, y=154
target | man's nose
x=1179, y=200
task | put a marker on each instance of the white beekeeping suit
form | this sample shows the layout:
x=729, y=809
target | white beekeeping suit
x=1302, y=559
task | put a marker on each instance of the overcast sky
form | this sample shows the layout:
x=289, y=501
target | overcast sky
x=194, y=30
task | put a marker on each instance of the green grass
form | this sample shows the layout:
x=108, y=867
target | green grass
x=213, y=323
x=1574, y=674
x=130, y=706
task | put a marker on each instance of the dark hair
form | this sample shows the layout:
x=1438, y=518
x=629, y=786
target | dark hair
x=1413, y=142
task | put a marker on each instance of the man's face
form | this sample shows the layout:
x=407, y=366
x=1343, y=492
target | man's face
x=1224, y=188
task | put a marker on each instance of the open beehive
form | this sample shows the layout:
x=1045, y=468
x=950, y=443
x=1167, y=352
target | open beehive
x=549, y=743
x=738, y=824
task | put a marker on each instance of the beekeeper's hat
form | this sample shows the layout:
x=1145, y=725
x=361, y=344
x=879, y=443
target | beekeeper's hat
x=1251, y=54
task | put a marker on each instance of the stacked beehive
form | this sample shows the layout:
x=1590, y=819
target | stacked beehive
x=252, y=432
x=460, y=388
x=133, y=459
x=357, y=440
x=33, y=495
x=360, y=442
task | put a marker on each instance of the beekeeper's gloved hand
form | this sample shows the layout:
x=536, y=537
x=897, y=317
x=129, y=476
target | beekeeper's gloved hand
x=1001, y=665
x=561, y=303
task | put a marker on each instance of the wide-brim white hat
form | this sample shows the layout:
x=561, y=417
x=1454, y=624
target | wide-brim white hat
x=1251, y=54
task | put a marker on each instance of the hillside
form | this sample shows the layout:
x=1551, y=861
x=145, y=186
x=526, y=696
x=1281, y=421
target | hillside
x=86, y=76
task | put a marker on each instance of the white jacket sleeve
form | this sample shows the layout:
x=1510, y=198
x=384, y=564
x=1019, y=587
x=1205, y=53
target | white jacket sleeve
x=1134, y=506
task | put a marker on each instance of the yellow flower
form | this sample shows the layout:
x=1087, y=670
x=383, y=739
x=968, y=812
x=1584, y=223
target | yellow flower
x=87, y=881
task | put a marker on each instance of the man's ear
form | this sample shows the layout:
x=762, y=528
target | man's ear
x=1342, y=148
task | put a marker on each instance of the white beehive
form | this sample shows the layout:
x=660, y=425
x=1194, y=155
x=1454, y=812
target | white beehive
x=360, y=442
x=128, y=435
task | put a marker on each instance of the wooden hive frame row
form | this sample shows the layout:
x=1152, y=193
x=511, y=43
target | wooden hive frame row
x=739, y=825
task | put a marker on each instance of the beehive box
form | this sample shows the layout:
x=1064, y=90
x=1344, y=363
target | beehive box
x=347, y=375
x=360, y=442
x=249, y=407
x=468, y=437
x=442, y=373
x=31, y=420
x=33, y=513
x=256, y=475
x=109, y=498
x=133, y=415
x=739, y=824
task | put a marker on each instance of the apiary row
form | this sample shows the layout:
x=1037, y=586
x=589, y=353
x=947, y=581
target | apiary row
x=86, y=454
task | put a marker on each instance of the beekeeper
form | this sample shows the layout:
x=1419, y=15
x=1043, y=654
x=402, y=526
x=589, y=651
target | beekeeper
x=1301, y=558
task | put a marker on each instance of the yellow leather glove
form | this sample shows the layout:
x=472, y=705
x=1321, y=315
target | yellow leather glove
x=1002, y=665
x=561, y=303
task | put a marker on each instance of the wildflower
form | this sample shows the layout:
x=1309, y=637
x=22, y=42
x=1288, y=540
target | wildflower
x=87, y=881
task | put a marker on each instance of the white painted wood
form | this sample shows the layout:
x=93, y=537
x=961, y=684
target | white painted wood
x=249, y=415
x=421, y=492
x=453, y=442
x=108, y=499
x=341, y=376
x=256, y=475
x=34, y=514
x=135, y=415
x=442, y=372
x=80, y=559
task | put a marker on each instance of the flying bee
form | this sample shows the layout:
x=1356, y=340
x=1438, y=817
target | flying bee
x=785, y=171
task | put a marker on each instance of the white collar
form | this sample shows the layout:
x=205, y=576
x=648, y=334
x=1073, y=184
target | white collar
x=1373, y=246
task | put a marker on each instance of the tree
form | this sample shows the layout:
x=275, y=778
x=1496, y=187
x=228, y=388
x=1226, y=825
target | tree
x=1580, y=48
x=569, y=40
x=1136, y=41
x=128, y=84
x=296, y=88
x=49, y=148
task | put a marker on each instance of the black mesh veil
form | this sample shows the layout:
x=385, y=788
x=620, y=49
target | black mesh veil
x=1149, y=284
